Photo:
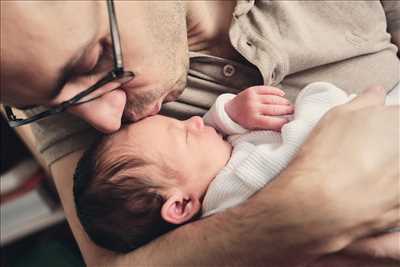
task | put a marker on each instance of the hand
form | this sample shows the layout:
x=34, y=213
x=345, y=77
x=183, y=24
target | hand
x=352, y=159
x=258, y=107
x=343, y=260
x=383, y=246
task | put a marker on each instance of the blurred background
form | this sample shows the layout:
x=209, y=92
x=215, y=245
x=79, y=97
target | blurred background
x=34, y=231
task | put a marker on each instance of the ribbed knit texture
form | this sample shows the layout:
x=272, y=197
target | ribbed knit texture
x=259, y=156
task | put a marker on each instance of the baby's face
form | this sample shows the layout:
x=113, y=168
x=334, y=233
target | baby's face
x=193, y=151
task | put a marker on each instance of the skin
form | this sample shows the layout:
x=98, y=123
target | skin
x=154, y=82
x=175, y=150
x=29, y=80
x=260, y=107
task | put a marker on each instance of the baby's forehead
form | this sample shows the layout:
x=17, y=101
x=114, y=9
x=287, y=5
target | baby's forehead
x=129, y=133
x=149, y=123
x=139, y=138
x=134, y=137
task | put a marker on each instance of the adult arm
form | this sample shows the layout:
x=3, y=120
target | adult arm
x=318, y=205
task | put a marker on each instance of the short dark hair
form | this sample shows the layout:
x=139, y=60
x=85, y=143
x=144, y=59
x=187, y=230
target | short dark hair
x=118, y=214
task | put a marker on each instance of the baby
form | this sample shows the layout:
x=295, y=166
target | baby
x=159, y=173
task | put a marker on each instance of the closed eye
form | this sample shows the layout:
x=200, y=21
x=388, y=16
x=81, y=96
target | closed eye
x=101, y=61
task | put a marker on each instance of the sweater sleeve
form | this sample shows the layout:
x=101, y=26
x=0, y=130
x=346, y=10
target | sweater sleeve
x=392, y=11
x=218, y=118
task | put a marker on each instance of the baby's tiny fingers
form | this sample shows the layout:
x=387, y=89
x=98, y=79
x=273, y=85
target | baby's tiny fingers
x=270, y=123
x=274, y=110
x=274, y=99
x=268, y=90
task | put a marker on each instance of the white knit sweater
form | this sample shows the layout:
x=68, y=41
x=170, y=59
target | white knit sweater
x=258, y=156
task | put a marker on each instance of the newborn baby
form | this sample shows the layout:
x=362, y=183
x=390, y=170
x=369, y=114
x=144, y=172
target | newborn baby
x=159, y=173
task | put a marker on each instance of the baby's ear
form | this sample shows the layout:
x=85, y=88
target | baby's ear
x=180, y=208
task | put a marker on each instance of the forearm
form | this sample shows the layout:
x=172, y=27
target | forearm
x=62, y=172
x=246, y=235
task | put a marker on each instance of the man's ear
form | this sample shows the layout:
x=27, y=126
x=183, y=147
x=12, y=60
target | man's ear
x=179, y=208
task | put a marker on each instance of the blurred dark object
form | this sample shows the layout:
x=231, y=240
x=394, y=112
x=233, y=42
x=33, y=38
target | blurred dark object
x=12, y=148
x=52, y=247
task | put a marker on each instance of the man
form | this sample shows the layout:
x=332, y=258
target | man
x=52, y=51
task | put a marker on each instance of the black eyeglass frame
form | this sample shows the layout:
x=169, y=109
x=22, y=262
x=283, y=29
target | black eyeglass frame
x=117, y=73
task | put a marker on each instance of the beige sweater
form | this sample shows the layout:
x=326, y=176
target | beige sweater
x=294, y=43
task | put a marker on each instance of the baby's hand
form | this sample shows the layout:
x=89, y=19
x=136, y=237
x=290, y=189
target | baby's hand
x=257, y=107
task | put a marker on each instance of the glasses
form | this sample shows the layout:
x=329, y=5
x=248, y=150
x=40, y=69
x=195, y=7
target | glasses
x=111, y=81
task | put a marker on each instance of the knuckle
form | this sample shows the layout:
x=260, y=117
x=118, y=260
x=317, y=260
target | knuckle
x=278, y=100
x=251, y=93
x=272, y=109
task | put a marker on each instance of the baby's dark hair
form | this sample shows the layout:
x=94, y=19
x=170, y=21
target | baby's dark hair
x=119, y=211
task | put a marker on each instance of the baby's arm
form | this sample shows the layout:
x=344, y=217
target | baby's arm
x=257, y=107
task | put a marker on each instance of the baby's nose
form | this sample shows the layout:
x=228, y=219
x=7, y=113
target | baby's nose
x=196, y=122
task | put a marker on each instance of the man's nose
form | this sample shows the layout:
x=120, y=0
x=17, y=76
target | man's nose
x=196, y=123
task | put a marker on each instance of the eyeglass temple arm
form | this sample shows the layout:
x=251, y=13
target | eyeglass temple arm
x=14, y=121
x=118, y=61
x=9, y=113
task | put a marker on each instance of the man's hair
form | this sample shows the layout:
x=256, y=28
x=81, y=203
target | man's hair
x=117, y=210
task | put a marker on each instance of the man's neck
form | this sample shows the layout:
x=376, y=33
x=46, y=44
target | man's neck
x=208, y=24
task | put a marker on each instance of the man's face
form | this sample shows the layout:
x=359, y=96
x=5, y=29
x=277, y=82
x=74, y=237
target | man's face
x=50, y=51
